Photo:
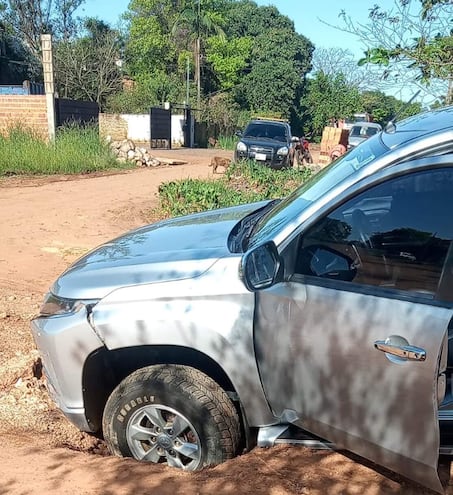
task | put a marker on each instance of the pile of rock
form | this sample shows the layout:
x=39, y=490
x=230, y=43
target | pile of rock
x=126, y=151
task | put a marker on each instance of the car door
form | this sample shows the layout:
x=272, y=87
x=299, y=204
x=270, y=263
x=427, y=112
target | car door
x=352, y=346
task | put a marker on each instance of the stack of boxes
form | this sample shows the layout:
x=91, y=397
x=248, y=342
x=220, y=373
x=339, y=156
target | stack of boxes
x=332, y=136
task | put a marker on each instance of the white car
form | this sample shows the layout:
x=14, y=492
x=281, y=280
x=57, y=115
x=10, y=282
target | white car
x=361, y=131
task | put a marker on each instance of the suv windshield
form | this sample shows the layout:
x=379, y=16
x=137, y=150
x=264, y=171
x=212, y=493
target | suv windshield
x=266, y=130
x=363, y=131
x=285, y=212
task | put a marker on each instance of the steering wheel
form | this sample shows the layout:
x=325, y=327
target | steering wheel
x=363, y=226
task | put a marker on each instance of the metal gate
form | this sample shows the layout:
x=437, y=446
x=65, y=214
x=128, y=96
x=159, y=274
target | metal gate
x=80, y=112
x=160, y=134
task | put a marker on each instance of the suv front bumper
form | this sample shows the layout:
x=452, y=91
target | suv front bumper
x=64, y=343
x=266, y=157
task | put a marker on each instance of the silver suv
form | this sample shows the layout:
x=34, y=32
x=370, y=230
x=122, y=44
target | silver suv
x=329, y=311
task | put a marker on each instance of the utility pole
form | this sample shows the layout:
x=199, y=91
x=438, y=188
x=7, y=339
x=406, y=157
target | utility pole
x=198, y=56
x=188, y=83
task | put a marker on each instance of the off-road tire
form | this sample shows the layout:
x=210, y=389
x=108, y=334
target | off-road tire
x=184, y=389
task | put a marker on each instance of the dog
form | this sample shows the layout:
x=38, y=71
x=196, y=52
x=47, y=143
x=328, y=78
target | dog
x=217, y=161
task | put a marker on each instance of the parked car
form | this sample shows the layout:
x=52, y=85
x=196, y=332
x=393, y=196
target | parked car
x=361, y=131
x=267, y=141
x=330, y=311
x=357, y=117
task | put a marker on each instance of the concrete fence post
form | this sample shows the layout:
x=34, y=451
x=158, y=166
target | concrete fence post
x=49, y=85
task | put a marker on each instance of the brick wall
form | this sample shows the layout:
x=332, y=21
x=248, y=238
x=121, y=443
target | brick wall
x=113, y=125
x=27, y=110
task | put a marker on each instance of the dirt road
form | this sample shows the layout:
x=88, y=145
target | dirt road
x=44, y=225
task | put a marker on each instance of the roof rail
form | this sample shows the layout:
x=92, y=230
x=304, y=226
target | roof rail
x=260, y=117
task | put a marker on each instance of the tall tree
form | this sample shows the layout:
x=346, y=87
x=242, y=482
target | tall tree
x=199, y=19
x=328, y=97
x=413, y=40
x=31, y=18
x=150, y=45
x=229, y=58
x=87, y=67
x=279, y=58
x=333, y=61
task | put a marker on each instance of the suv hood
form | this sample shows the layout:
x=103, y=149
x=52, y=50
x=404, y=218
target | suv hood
x=175, y=249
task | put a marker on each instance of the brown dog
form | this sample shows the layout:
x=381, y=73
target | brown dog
x=217, y=161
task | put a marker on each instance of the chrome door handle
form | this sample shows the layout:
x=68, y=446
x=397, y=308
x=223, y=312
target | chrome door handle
x=409, y=352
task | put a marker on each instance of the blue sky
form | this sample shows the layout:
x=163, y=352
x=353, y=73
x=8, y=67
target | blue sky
x=306, y=19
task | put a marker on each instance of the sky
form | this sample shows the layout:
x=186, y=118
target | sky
x=307, y=20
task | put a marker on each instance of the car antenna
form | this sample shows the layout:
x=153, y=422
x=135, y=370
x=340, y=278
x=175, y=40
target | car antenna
x=390, y=127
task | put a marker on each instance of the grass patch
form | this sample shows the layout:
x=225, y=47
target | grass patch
x=228, y=142
x=244, y=182
x=76, y=150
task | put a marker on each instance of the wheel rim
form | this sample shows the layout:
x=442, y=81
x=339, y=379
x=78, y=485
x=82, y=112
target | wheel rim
x=159, y=434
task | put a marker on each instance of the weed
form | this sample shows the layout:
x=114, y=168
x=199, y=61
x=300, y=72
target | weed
x=244, y=182
x=227, y=142
x=75, y=150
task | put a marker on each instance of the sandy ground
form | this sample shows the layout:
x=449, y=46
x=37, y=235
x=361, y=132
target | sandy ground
x=45, y=224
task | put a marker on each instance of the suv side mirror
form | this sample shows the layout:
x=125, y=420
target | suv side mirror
x=295, y=139
x=238, y=133
x=261, y=267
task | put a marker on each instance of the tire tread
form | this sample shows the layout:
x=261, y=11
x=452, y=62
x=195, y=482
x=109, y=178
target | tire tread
x=193, y=385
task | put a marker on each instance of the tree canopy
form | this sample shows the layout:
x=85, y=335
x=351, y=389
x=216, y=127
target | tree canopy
x=229, y=59
x=412, y=41
x=253, y=52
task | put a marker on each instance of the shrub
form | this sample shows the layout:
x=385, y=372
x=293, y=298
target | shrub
x=244, y=182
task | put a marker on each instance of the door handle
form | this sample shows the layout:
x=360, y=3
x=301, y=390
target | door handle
x=408, y=352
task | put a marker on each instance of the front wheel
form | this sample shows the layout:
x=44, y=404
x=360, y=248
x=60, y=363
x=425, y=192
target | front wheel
x=171, y=414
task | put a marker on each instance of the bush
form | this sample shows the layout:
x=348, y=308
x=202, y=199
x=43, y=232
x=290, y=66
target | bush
x=75, y=150
x=244, y=182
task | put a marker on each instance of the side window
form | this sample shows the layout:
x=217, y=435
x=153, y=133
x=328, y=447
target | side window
x=395, y=235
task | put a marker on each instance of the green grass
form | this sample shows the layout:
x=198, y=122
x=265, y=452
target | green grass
x=228, y=142
x=243, y=182
x=76, y=150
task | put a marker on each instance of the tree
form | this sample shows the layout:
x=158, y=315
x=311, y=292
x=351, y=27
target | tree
x=413, y=40
x=228, y=58
x=334, y=61
x=328, y=97
x=13, y=58
x=384, y=107
x=86, y=68
x=150, y=45
x=31, y=18
x=200, y=19
x=245, y=18
x=146, y=91
x=278, y=62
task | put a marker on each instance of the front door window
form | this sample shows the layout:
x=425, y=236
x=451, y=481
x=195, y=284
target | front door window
x=395, y=235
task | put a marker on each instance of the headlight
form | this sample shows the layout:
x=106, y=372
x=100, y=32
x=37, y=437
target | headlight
x=283, y=151
x=54, y=305
x=241, y=147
